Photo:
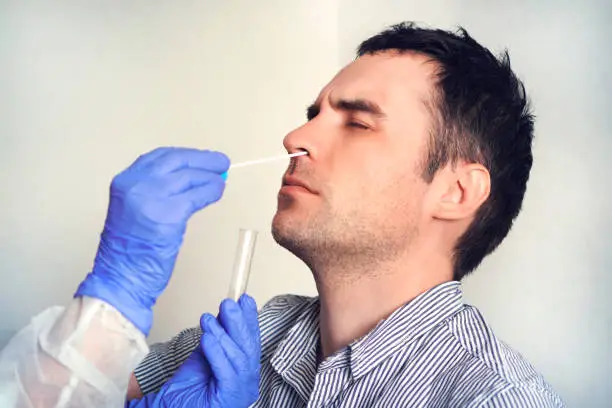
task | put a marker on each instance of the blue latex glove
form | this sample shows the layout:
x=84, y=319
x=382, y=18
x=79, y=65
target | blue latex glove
x=224, y=371
x=150, y=203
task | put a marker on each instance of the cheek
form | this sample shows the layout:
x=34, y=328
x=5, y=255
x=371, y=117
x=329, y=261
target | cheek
x=368, y=195
x=390, y=200
x=377, y=182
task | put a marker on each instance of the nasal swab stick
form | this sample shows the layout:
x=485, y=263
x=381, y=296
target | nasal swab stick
x=284, y=156
x=258, y=161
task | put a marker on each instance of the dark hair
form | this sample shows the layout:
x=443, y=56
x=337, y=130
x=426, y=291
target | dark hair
x=480, y=114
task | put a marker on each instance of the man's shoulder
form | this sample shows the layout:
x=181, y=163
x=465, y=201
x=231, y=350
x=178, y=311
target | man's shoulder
x=477, y=338
x=510, y=376
x=523, y=396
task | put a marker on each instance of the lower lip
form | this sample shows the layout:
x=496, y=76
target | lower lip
x=294, y=189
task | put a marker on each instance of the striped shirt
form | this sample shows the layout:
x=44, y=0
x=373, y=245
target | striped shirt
x=434, y=351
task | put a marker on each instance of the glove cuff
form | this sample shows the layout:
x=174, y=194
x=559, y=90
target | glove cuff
x=122, y=300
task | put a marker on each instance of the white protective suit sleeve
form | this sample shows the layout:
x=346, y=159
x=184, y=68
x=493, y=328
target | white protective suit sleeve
x=78, y=356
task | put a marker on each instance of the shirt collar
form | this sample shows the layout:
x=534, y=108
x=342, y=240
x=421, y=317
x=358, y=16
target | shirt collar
x=295, y=358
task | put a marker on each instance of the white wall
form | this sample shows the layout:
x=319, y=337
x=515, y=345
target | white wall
x=546, y=290
x=85, y=88
x=88, y=86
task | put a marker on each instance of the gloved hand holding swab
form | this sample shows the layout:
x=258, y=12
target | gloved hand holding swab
x=265, y=160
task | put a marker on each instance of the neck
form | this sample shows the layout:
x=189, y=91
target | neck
x=354, y=298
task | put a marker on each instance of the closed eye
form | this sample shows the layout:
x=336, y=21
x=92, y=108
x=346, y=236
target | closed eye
x=358, y=125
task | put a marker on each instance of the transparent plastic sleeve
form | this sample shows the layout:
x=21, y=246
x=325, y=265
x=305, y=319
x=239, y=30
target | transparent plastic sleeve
x=78, y=356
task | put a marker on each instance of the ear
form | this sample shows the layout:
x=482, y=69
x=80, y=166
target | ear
x=465, y=188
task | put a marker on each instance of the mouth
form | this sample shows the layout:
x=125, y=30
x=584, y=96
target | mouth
x=292, y=183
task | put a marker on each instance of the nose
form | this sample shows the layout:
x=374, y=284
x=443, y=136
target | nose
x=300, y=139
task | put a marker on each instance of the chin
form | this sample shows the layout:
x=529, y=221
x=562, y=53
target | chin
x=288, y=211
x=292, y=242
x=287, y=231
x=279, y=226
x=292, y=225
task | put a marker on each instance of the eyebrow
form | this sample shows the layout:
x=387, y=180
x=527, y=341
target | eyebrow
x=349, y=105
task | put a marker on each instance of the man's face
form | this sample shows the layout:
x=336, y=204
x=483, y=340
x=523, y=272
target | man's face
x=362, y=193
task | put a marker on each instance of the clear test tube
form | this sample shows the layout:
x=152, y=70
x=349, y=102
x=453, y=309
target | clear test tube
x=242, y=263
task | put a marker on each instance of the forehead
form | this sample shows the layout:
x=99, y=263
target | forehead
x=392, y=80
